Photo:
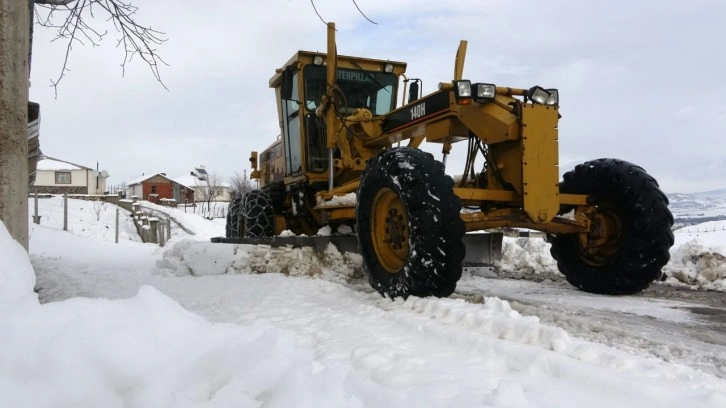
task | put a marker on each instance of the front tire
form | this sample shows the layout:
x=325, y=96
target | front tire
x=409, y=227
x=630, y=237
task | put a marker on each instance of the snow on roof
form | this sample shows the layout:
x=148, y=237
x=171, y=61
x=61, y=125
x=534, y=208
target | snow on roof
x=191, y=181
x=187, y=180
x=50, y=163
x=141, y=179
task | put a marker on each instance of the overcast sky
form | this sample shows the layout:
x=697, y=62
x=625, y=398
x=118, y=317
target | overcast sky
x=643, y=80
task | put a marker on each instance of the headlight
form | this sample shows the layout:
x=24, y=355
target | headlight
x=538, y=95
x=318, y=60
x=544, y=96
x=554, y=99
x=484, y=92
x=462, y=92
x=388, y=68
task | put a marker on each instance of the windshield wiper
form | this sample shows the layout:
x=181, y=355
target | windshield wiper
x=371, y=77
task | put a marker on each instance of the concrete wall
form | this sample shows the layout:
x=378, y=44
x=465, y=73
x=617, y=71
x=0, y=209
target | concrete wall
x=59, y=189
x=14, y=33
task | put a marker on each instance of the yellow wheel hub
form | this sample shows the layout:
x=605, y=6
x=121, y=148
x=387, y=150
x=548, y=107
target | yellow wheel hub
x=604, y=240
x=389, y=230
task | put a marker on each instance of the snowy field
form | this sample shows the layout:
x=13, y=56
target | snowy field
x=195, y=324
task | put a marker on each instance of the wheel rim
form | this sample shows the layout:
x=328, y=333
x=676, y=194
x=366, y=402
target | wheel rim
x=604, y=241
x=389, y=222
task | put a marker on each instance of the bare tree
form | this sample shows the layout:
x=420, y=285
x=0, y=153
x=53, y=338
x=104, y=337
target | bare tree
x=97, y=208
x=73, y=22
x=240, y=185
x=208, y=189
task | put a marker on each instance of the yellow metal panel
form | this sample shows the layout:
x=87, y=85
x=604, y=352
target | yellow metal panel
x=573, y=199
x=447, y=130
x=280, y=224
x=507, y=157
x=489, y=122
x=339, y=213
x=540, y=174
x=478, y=194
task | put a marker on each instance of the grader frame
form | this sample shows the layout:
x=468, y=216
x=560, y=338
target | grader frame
x=608, y=221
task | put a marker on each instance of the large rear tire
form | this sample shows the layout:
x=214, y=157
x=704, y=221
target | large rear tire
x=409, y=227
x=258, y=215
x=630, y=237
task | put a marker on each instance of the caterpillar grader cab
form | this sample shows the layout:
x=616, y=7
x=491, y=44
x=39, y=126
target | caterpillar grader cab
x=348, y=155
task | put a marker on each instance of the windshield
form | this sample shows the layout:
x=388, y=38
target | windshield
x=373, y=90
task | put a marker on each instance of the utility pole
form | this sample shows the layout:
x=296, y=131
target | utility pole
x=14, y=33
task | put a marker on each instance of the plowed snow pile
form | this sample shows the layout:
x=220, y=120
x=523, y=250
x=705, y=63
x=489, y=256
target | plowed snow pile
x=204, y=258
x=692, y=263
x=698, y=256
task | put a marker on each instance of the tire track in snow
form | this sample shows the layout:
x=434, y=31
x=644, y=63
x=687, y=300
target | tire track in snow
x=695, y=343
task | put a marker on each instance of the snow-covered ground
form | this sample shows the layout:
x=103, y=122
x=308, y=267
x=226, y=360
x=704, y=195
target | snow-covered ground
x=195, y=324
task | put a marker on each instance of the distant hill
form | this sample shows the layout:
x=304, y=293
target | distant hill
x=695, y=208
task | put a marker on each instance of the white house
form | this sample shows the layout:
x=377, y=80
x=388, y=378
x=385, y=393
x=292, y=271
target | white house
x=198, y=180
x=55, y=176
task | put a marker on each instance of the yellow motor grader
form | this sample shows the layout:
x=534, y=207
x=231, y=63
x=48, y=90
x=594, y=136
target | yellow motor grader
x=347, y=155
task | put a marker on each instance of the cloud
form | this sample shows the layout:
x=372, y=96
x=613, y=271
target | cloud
x=638, y=80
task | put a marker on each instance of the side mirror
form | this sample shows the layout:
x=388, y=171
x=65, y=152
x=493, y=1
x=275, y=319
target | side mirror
x=413, y=92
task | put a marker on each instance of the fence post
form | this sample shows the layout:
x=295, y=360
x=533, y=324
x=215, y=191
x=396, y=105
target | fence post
x=65, y=211
x=117, y=225
x=153, y=224
x=160, y=232
x=168, y=229
x=36, y=217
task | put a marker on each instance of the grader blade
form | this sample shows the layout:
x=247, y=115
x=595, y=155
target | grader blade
x=483, y=250
x=344, y=243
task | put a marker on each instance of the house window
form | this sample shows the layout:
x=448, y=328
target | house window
x=153, y=189
x=219, y=192
x=62, y=177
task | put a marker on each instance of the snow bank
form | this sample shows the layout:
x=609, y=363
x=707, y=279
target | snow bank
x=188, y=257
x=697, y=257
x=495, y=318
x=204, y=258
x=527, y=256
x=694, y=264
x=146, y=351
x=17, y=277
x=295, y=342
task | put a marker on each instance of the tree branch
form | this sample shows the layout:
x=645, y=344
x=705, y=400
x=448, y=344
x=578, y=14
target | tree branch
x=356, y=6
x=363, y=14
x=54, y=2
x=74, y=26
